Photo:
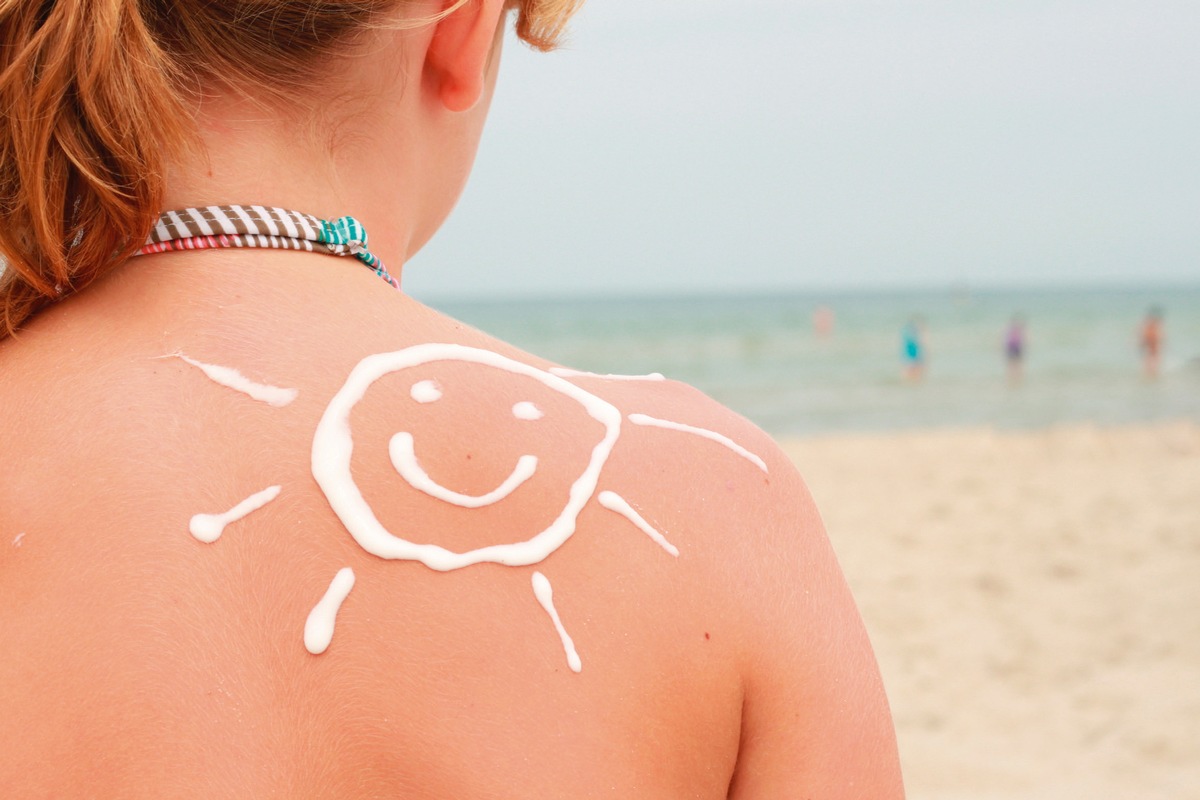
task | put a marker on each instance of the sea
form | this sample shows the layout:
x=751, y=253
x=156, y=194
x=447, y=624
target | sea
x=763, y=356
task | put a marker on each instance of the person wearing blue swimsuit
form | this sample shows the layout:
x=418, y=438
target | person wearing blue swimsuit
x=913, y=350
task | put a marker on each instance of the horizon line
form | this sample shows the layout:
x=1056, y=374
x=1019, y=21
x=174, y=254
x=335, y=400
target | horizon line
x=953, y=288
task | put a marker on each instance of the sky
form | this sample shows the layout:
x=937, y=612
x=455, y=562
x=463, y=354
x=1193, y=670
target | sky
x=769, y=145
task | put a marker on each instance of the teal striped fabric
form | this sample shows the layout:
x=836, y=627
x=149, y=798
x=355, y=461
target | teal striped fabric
x=260, y=226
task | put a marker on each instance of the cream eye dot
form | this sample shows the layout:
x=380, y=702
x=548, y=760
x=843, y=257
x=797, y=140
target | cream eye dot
x=527, y=410
x=426, y=392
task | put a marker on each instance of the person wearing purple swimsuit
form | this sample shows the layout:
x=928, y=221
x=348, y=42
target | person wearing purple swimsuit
x=1014, y=350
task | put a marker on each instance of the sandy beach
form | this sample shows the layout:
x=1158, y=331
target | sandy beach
x=1034, y=600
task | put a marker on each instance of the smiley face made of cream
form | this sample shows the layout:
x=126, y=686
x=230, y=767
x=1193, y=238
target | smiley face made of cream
x=333, y=447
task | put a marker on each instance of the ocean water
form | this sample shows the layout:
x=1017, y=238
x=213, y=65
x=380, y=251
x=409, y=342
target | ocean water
x=760, y=354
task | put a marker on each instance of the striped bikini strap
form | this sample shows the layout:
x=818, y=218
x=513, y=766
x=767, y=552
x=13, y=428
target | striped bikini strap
x=260, y=226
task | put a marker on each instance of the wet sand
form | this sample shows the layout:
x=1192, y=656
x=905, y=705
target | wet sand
x=1034, y=600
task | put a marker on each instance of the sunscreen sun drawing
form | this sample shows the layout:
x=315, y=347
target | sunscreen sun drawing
x=333, y=447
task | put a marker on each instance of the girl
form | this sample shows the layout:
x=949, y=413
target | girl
x=270, y=528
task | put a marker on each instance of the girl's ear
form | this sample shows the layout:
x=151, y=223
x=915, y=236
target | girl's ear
x=460, y=53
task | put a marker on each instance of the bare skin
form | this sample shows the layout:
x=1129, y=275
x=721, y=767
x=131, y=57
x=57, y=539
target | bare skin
x=139, y=662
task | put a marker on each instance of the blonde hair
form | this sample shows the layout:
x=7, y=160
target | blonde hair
x=94, y=103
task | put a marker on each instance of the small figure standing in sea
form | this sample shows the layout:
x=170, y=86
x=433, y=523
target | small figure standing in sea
x=912, y=337
x=823, y=320
x=1150, y=340
x=1014, y=349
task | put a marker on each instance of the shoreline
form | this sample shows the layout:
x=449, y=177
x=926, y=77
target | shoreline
x=1031, y=596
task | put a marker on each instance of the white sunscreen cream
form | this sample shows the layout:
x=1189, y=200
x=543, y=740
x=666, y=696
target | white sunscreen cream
x=563, y=372
x=17, y=541
x=209, y=527
x=318, y=628
x=642, y=419
x=332, y=452
x=527, y=411
x=231, y=378
x=545, y=595
x=400, y=448
x=614, y=502
x=333, y=448
x=426, y=392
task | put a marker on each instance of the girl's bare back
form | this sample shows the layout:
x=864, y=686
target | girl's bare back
x=715, y=640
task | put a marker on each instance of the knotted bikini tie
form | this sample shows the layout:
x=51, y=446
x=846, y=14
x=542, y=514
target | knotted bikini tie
x=258, y=226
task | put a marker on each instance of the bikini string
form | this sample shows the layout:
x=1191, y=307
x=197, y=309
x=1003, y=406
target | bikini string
x=259, y=226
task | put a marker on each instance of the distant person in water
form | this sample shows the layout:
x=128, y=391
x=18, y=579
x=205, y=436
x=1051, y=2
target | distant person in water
x=1151, y=342
x=912, y=338
x=823, y=319
x=1014, y=350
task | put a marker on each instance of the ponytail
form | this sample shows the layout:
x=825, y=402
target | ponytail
x=89, y=119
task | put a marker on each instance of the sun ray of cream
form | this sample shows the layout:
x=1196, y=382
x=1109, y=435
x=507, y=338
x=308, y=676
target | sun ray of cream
x=545, y=595
x=642, y=419
x=232, y=379
x=209, y=527
x=614, y=502
x=563, y=372
x=318, y=628
x=405, y=461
